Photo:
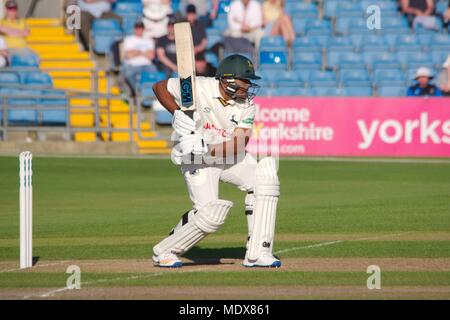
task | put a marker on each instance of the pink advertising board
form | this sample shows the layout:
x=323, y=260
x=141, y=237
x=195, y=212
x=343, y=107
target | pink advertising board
x=392, y=127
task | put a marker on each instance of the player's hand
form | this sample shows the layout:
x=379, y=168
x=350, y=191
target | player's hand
x=192, y=143
x=183, y=124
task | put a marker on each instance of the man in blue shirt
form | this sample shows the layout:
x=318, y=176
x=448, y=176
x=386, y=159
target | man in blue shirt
x=423, y=87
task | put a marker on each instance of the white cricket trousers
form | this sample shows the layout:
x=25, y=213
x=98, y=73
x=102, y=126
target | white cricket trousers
x=202, y=180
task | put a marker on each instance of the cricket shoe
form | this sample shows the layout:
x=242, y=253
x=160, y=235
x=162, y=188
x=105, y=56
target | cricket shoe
x=167, y=260
x=264, y=261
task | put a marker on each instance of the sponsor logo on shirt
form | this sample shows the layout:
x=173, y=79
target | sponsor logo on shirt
x=216, y=131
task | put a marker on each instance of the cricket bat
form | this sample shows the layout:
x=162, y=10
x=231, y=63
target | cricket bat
x=186, y=66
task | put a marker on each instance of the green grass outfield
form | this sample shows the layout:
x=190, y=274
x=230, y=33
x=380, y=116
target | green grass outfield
x=96, y=209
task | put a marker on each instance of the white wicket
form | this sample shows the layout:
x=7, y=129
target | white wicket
x=26, y=210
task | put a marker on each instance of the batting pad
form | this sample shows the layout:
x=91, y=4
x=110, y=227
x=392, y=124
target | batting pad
x=206, y=220
x=267, y=192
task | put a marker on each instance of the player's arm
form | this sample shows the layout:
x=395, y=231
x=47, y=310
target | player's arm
x=235, y=146
x=164, y=97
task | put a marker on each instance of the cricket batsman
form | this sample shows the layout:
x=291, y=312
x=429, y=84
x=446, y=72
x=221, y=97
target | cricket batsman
x=218, y=131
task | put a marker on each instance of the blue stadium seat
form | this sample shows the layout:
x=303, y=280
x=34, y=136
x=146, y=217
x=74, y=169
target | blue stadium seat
x=105, y=25
x=387, y=77
x=392, y=91
x=413, y=58
x=288, y=91
x=440, y=41
x=330, y=7
x=349, y=9
x=357, y=91
x=272, y=43
x=318, y=27
x=304, y=74
x=373, y=43
x=212, y=59
x=339, y=44
x=19, y=100
x=307, y=60
x=322, y=78
x=300, y=25
x=381, y=59
x=273, y=59
x=220, y=24
x=347, y=25
x=289, y=79
x=54, y=108
x=53, y=98
x=128, y=8
x=438, y=56
x=342, y=59
x=326, y=91
x=104, y=33
x=163, y=117
x=303, y=44
x=275, y=78
x=151, y=77
x=37, y=79
x=9, y=78
x=213, y=40
x=301, y=10
x=24, y=60
x=385, y=6
x=397, y=23
x=354, y=77
x=408, y=43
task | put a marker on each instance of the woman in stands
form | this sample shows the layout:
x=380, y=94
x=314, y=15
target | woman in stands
x=277, y=22
x=13, y=27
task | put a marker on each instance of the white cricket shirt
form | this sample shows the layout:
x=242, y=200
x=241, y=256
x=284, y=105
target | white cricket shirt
x=219, y=117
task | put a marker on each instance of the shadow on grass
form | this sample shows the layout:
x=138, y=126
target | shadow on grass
x=208, y=256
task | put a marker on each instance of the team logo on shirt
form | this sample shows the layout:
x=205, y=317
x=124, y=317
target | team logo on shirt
x=207, y=109
x=233, y=120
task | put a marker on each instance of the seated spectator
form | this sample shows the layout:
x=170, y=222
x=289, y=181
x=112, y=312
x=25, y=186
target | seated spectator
x=277, y=22
x=14, y=28
x=166, y=52
x=423, y=87
x=444, y=78
x=91, y=10
x=202, y=67
x=245, y=20
x=3, y=53
x=139, y=53
x=198, y=30
x=420, y=13
x=205, y=13
x=156, y=17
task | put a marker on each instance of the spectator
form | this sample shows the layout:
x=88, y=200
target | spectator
x=166, y=50
x=198, y=30
x=444, y=78
x=3, y=53
x=91, y=10
x=12, y=27
x=139, y=53
x=245, y=20
x=206, y=10
x=156, y=18
x=423, y=87
x=420, y=13
x=277, y=22
x=202, y=67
